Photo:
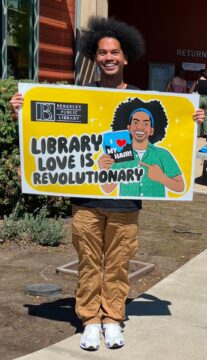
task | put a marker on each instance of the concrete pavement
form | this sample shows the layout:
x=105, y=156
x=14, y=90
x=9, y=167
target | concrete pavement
x=169, y=322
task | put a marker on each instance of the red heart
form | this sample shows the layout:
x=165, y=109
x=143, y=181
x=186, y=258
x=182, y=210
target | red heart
x=120, y=142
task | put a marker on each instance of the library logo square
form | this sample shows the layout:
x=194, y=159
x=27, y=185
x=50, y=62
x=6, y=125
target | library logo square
x=43, y=111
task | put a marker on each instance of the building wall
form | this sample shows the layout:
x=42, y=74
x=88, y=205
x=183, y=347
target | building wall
x=57, y=37
x=56, y=40
x=174, y=32
x=85, y=68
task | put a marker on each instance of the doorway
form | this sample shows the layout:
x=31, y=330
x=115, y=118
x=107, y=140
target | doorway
x=159, y=75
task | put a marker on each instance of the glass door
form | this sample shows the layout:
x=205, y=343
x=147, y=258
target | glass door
x=159, y=75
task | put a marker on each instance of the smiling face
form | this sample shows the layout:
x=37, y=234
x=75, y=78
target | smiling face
x=110, y=57
x=140, y=128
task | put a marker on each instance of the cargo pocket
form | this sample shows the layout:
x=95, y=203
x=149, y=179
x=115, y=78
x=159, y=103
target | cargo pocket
x=77, y=237
x=130, y=241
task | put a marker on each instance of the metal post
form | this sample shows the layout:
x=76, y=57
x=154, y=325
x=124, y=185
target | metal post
x=31, y=43
x=36, y=38
x=77, y=41
x=4, y=39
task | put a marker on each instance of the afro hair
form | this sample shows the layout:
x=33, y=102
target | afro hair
x=123, y=113
x=129, y=37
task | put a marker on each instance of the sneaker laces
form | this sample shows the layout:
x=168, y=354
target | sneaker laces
x=113, y=329
x=92, y=330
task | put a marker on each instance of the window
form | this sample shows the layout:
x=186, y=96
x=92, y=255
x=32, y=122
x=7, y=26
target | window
x=18, y=38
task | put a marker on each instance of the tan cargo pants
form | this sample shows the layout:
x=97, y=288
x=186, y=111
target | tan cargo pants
x=105, y=242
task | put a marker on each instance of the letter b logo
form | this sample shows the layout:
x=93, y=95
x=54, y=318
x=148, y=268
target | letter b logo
x=44, y=111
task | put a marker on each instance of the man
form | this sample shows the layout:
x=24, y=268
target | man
x=146, y=122
x=105, y=231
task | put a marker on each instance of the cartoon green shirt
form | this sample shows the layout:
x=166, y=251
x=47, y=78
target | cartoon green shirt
x=147, y=187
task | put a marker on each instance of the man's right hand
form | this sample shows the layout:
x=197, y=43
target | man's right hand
x=16, y=102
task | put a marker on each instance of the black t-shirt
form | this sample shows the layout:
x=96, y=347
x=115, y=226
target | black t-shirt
x=109, y=204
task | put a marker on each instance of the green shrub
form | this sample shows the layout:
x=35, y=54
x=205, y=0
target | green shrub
x=10, y=183
x=44, y=231
x=38, y=228
x=9, y=149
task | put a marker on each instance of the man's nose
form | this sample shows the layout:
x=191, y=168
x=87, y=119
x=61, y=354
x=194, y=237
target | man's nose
x=108, y=56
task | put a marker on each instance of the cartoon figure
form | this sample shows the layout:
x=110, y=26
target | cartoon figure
x=146, y=122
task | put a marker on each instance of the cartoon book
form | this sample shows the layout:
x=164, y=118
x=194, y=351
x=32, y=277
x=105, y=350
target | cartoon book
x=118, y=145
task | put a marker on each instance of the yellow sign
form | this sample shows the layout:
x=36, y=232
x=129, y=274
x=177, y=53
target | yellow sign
x=107, y=143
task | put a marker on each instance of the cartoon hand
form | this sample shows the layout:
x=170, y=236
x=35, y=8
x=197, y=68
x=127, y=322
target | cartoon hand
x=105, y=162
x=154, y=171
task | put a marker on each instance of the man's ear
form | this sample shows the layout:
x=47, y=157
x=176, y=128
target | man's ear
x=128, y=127
x=152, y=131
x=125, y=61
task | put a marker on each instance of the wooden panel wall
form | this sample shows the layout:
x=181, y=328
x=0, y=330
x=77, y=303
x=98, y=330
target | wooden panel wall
x=56, y=40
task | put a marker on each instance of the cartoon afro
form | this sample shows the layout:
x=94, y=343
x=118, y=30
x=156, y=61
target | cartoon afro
x=122, y=116
x=130, y=39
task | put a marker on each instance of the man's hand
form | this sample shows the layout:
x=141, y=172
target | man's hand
x=105, y=162
x=16, y=102
x=199, y=116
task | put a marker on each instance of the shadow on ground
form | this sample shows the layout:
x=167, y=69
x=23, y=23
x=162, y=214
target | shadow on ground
x=58, y=310
x=148, y=305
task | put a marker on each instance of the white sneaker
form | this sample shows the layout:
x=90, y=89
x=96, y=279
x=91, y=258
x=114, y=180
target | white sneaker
x=113, y=335
x=90, y=340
